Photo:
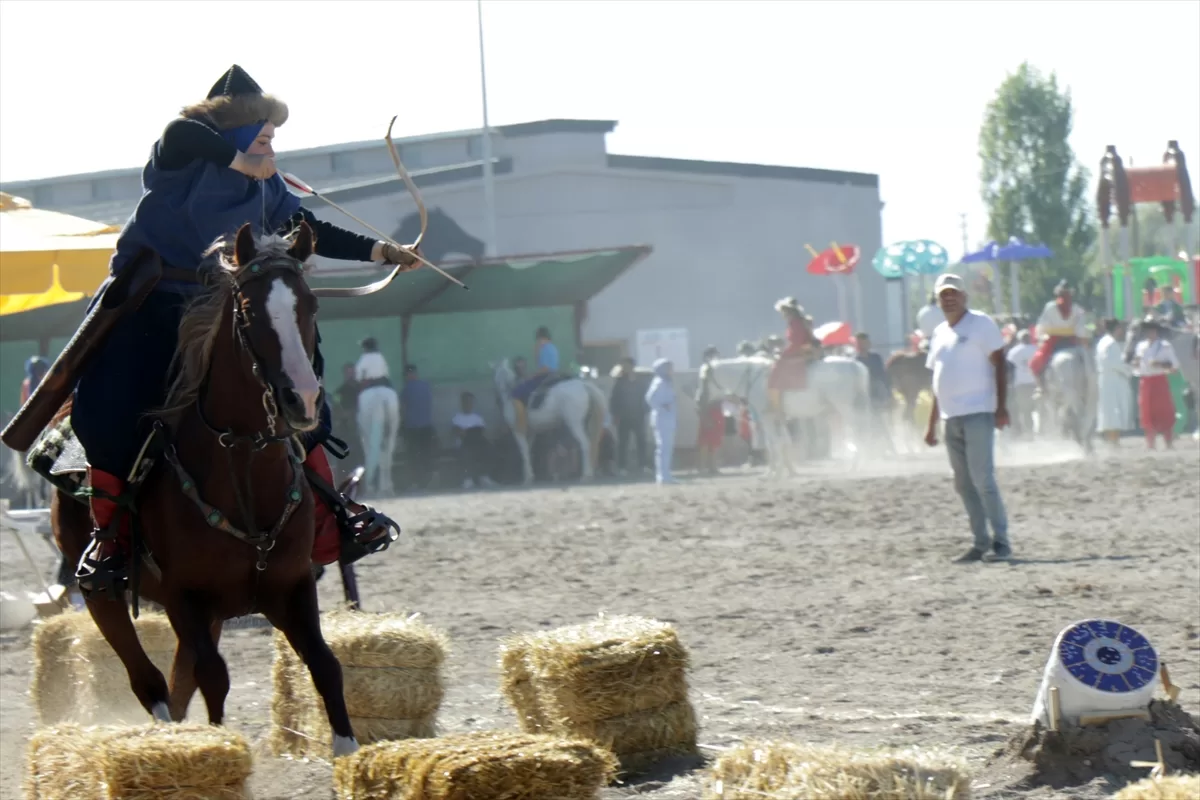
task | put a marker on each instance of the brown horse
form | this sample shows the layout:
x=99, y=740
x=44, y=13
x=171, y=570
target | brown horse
x=225, y=514
x=909, y=377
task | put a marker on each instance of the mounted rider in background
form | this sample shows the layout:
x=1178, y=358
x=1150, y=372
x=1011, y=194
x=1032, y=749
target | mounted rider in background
x=212, y=171
x=790, y=372
x=1063, y=324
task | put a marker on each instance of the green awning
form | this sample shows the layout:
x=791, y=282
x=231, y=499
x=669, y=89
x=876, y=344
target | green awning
x=555, y=279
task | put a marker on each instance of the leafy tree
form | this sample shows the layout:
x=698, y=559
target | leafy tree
x=1034, y=188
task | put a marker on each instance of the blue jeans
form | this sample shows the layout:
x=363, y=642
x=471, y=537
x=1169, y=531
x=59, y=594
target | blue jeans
x=969, y=441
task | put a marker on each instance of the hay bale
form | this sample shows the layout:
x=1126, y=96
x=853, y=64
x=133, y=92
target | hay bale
x=392, y=682
x=1168, y=787
x=159, y=762
x=77, y=676
x=618, y=681
x=783, y=771
x=481, y=766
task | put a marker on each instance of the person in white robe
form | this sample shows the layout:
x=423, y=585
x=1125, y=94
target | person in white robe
x=663, y=419
x=1114, y=411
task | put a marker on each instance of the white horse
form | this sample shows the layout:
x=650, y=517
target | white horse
x=378, y=426
x=836, y=385
x=579, y=405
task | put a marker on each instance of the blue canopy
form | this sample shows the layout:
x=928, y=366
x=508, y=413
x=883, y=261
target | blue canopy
x=916, y=257
x=1014, y=250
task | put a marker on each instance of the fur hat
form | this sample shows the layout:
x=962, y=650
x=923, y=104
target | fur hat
x=1062, y=288
x=1151, y=321
x=236, y=100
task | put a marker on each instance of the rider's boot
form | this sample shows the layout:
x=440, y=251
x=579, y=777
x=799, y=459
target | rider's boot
x=104, y=566
x=345, y=530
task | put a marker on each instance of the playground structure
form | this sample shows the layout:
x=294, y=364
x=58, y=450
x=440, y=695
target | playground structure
x=1167, y=184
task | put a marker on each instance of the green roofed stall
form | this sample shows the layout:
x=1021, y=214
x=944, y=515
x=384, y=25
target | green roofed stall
x=421, y=317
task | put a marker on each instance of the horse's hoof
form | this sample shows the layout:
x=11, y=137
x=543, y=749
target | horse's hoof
x=344, y=746
x=161, y=712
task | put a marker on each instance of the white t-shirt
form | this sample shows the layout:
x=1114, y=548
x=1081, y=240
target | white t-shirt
x=1051, y=322
x=964, y=378
x=1148, y=352
x=467, y=421
x=371, y=366
x=928, y=318
x=1020, y=357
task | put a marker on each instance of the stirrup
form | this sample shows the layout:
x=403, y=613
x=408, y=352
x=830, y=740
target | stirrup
x=356, y=542
x=107, y=576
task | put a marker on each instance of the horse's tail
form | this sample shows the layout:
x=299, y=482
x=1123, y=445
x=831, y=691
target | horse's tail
x=597, y=410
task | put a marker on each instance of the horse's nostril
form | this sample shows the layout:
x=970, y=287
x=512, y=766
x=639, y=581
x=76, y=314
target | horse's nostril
x=291, y=399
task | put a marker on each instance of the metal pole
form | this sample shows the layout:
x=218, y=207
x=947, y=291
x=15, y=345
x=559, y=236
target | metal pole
x=1106, y=272
x=1014, y=289
x=489, y=178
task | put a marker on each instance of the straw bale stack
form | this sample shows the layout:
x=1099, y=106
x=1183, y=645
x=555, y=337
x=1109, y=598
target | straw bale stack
x=77, y=676
x=392, y=676
x=784, y=771
x=1168, y=787
x=146, y=762
x=618, y=681
x=485, y=765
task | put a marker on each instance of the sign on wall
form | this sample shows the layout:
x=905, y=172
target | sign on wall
x=670, y=343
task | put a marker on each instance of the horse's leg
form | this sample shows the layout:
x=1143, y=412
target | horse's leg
x=147, y=682
x=183, y=675
x=526, y=463
x=298, y=617
x=192, y=619
x=576, y=427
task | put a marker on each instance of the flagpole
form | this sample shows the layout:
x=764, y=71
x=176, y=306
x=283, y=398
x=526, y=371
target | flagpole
x=489, y=178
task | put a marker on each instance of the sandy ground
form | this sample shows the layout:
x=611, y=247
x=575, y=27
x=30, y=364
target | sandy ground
x=822, y=609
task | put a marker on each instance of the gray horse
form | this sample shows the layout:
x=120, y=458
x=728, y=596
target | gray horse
x=1071, y=395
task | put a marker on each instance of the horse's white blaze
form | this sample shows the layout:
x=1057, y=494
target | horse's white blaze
x=281, y=307
x=344, y=745
x=161, y=712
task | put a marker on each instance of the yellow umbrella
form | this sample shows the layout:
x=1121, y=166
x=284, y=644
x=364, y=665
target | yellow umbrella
x=41, y=250
x=16, y=303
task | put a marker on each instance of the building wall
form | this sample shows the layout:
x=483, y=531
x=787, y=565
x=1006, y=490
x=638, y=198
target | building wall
x=725, y=248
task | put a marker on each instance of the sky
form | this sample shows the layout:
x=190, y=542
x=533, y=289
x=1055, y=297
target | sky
x=893, y=88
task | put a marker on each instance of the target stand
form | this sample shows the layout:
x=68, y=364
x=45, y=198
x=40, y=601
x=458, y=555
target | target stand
x=1099, y=670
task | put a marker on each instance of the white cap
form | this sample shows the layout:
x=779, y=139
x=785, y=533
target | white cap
x=949, y=281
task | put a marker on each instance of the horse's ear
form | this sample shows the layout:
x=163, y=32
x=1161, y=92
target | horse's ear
x=243, y=248
x=304, y=245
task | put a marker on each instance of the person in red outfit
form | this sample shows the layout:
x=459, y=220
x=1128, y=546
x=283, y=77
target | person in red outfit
x=1154, y=360
x=790, y=373
x=710, y=406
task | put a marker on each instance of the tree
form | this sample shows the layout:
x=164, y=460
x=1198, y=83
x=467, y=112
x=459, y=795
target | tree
x=1034, y=188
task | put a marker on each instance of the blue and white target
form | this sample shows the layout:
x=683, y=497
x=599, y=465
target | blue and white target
x=1108, y=656
x=1098, y=666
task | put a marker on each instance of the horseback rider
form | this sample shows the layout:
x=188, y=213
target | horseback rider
x=790, y=372
x=546, y=357
x=1063, y=324
x=1169, y=310
x=212, y=171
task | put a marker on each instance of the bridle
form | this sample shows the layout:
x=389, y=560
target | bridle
x=260, y=268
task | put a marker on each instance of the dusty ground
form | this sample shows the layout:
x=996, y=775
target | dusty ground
x=824, y=609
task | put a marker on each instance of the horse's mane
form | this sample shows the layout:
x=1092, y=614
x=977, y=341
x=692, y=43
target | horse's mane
x=201, y=320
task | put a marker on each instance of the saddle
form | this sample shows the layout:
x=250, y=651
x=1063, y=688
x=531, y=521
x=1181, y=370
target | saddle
x=58, y=457
x=539, y=394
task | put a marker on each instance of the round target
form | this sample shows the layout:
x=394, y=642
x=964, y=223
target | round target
x=1108, y=656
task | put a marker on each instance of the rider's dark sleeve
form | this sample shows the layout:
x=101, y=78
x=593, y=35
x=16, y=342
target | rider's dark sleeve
x=185, y=140
x=332, y=241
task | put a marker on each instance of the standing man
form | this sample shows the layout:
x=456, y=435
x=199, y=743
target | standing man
x=628, y=408
x=1024, y=384
x=416, y=423
x=1114, y=412
x=970, y=375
